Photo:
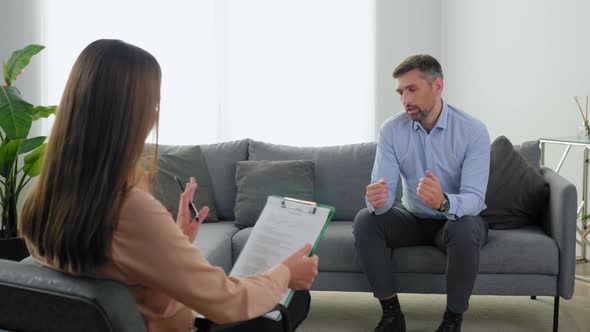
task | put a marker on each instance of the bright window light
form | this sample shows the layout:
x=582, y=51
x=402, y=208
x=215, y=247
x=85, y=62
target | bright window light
x=285, y=72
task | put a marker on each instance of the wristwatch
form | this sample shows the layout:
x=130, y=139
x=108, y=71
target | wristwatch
x=445, y=206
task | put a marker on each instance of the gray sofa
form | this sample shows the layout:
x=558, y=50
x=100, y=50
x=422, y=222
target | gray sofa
x=535, y=260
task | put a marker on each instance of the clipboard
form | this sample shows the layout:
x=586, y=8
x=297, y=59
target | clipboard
x=284, y=226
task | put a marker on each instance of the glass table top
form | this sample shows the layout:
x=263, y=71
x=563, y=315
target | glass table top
x=566, y=140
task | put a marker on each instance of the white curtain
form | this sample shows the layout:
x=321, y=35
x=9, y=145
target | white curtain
x=286, y=72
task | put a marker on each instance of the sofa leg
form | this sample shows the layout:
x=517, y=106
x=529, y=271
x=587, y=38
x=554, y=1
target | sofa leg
x=533, y=297
x=556, y=314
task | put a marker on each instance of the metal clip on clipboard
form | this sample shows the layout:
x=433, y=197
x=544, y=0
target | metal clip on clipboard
x=294, y=203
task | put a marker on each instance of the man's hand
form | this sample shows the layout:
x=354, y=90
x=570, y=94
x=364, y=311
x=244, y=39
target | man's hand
x=189, y=226
x=430, y=191
x=377, y=193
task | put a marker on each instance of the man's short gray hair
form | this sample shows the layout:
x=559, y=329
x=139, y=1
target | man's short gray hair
x=425, y=63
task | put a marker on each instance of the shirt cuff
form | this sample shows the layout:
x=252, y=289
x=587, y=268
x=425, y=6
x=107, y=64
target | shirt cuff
x=453, y=208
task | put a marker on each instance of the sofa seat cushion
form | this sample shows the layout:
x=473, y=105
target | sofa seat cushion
x=336, y=250
x=526, y=250
x=215, y=242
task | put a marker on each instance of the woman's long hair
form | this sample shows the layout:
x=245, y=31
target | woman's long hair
x=108, y=108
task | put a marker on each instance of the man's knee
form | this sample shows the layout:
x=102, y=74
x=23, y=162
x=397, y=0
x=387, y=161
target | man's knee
x=468, y=230
x=364, y=223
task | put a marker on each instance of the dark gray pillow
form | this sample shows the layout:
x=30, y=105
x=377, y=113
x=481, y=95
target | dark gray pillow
x=531, y=151
x=517, y=194
x=256, y=180
x=342, y=172
x=184, y=162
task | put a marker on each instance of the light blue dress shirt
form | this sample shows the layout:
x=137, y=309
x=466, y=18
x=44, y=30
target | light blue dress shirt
x=457, y=151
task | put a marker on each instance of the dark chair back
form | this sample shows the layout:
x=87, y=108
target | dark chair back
x=35, y=298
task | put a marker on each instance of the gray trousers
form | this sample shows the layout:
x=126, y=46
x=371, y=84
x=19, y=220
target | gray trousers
x=376, y=235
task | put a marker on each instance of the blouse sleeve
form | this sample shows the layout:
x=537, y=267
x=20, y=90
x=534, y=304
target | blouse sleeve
x=150, y=248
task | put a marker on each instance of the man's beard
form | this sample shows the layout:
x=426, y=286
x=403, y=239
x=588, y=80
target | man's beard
x=420, y=115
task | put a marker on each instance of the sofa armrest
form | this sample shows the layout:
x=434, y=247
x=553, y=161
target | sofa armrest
x=35, y=298
x=560, y=223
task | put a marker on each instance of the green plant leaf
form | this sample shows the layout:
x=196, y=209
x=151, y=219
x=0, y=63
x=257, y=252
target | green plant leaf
x=31, y=144
x=16, y=115
x=8, y=155
x=34, y=161
x=43, y=112
x=5, y=72
x=19, y=60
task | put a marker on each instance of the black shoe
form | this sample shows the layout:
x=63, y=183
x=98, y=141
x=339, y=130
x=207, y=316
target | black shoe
x=451, y=322
x=392, y=323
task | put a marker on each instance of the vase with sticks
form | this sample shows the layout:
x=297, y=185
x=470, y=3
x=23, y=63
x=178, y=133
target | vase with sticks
x=586, y=127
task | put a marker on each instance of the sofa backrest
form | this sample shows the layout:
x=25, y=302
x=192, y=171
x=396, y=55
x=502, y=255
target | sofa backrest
x=221, y=160
x=341, y=173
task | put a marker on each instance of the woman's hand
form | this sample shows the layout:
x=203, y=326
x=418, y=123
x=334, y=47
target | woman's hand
x=303, y=269
x=188, y=225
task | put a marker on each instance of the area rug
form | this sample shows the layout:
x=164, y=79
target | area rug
x=345, y=311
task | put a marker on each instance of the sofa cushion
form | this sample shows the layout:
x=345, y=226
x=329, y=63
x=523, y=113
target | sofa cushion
x=183, y=162
x=238, y=242
x=336, y=249
x=256, y=180
x=221, y=159
x=526, y=250
x=341, y=172
x=517, y=194
x=215, y=242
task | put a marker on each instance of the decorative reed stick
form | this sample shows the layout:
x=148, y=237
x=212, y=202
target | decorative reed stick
x=580, y=108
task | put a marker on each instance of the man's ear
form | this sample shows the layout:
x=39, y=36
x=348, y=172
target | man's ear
x=438, y=85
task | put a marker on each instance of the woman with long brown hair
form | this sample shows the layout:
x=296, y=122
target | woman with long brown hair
x=91, y=212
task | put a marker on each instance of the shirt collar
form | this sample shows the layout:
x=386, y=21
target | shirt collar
x=442, y=120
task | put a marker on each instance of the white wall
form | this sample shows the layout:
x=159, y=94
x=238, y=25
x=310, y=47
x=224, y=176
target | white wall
x=516, y=65
x=513, y=64
x=21, y=25
x=402, y=28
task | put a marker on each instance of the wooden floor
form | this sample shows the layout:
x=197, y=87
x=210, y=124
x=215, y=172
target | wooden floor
x=583, y=271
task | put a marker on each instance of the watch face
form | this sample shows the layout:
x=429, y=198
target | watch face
x=445, y=205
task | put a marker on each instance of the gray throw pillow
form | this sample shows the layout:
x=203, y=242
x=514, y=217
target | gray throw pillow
x=517, y=193
x=184, y=162
x=342, y=172
x=256, y=180
x=531, y=151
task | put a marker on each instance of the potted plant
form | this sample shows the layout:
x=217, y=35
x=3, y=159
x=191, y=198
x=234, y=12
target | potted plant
x=21, y=156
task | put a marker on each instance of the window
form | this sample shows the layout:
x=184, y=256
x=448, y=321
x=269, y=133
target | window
x=298, y=73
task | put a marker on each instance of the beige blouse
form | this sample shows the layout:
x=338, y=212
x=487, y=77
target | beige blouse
x=171, y=280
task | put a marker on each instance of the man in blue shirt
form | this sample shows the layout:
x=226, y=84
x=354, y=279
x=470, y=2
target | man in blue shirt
x=442, y=156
